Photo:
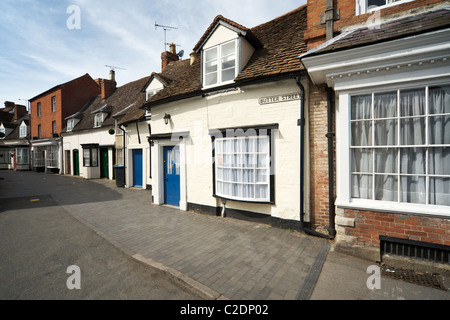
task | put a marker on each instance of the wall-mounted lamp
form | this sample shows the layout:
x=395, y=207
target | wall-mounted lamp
x=167, y=117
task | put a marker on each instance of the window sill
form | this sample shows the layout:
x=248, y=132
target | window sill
x=244, y=200
x=392, y=207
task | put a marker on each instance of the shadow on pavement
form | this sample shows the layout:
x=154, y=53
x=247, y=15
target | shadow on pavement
x=22, y=186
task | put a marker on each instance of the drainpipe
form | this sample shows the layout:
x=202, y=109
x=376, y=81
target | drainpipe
x=302, y=124
x=330, y=136
x=124, y=155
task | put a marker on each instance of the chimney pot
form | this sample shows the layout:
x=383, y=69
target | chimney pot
x=194, y=57
x=173, y=48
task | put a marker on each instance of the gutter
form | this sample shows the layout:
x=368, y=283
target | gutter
x=302, y=124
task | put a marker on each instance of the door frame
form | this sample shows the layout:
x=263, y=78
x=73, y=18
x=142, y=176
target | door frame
x=165, y=181
x=104, y=165
x=158, y=172
x=76, y=162
x=133, y=169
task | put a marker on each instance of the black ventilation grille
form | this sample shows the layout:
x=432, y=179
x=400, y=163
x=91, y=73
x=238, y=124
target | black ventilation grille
x=415, y=249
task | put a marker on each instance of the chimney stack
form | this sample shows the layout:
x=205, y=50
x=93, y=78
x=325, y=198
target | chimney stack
x=19, y=111
x=169, y=56
x=107, y=87
x=194, y=57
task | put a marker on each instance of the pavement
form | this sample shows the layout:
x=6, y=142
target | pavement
x=221, y=258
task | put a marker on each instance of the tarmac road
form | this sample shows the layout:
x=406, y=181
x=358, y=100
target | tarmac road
x=40, y=240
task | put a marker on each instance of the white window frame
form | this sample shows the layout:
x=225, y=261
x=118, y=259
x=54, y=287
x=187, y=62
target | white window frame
x=22, y=156
x=3, y=130
x=343, y=150
x=52, y=156
x=362, y=6
x=98, y=119
x=239, y=162
x=219, y=59
x=70, y=125
x=90, y=157
x=23, y=130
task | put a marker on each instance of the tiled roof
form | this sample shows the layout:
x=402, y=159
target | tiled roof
x=388, y=31
x=279, y=43
x=283, y=43
x=15, y=125
x=124, y=96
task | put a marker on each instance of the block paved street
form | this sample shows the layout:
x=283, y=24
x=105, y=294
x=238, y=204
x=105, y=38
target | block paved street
x=221, y=258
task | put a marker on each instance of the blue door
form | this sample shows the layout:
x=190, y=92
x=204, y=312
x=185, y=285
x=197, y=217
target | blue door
x=137, y=168
x=172, y=175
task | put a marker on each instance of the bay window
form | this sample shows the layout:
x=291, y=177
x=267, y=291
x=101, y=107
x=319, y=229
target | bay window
x=219, y=65
x=400, y=146
x=242, y=167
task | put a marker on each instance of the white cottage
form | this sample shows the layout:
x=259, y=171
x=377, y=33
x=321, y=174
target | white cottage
x=225, y=131
x=93, y=143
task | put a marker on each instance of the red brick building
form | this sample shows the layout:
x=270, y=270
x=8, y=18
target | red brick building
x=48, y=111
x=379, y=111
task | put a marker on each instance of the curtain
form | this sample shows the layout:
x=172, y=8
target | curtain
x=401, y=150
x=242, y=167
x=439, y=134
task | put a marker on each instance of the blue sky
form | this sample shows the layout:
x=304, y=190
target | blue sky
x=39, y=51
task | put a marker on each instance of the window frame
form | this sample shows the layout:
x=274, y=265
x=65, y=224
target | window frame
x=344, y=150
x=54, y=104
x=99, y=118
x=23, y=156
x=39, y=109
x=90, y=156
x=23, y=131
x=70, y=125
x=362, y=6
x=219, y=59
x=241, y=134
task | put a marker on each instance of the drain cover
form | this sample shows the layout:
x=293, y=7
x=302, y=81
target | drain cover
x=419, y=278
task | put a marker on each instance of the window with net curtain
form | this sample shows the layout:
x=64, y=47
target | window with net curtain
x=400, y=146
x=242, y=167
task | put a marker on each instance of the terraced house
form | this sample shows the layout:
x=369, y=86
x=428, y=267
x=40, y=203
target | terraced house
x=380, y=83
x=225, y=131
x=49, y=111
x=93, y=141
x=14, y=137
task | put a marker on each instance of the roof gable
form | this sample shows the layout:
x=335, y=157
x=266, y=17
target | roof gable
x=221, y=22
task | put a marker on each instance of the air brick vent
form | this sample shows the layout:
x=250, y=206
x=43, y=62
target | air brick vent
x=415, y=249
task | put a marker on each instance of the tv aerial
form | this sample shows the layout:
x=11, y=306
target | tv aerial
x=113, y=68
x=165, y=28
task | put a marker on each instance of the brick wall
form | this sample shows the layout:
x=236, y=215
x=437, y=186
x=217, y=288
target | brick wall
x=319, y=181
x=369, y=226
x=70, y=98
x=47, y=115
x=315, y=35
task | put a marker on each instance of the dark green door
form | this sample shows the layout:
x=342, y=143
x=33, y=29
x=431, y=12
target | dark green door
x=104, y=163
x=76, y=163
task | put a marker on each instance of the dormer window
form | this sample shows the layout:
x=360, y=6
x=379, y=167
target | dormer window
x=23, y=130
x=219, y=64
x=2, y=132
x=98, y=120
x=70, y=125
